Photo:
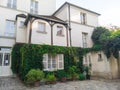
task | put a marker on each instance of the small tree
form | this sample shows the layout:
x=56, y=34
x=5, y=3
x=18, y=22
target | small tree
x=99, y=34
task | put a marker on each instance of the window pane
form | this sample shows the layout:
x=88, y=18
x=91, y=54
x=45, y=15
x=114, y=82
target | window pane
x=6, y=59
x=10, y=28
x=54, y=66
x=41, y=27
x=34, y=7
x=9, y=3
x=59, y=30
x=1, y=58
x=14, y=3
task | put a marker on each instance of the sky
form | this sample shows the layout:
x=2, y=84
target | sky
x=109, y=9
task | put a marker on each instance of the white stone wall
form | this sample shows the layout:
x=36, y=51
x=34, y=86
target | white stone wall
x=46, y=7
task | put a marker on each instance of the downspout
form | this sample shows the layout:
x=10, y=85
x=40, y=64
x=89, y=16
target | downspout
x=51, y=25
x=67, y=28
x=30, y=32
x=69, y=24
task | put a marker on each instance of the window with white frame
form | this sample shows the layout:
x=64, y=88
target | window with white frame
x=41, y=27
x=10, y=28
x=34, y=7
x=53, y=62
x=60, y=30
x=84, y=39
x=12, y=4
x=83, y=18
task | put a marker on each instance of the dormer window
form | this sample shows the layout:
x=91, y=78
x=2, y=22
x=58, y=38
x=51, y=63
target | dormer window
x=83, y=18
x=34, y=7
x=12, y=4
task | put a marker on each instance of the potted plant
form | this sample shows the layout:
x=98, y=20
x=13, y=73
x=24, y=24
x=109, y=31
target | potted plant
x=81, y=76
x=34, y=76
x=73, y=72
x=50, y=78
x=61, y=75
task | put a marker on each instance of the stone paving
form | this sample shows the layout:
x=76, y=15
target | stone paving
x=16, y=84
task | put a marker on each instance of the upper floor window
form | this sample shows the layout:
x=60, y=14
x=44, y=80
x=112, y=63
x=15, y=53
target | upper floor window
x=10, y=28
x=83, y=18
x=53, y=62
x=41, y=27
x=34, y=7
x=84, y=39
x=60, y=30
x=12, y=4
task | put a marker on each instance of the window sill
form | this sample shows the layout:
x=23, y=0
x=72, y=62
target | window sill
x=42, y=32
x=8, y=37
x=60, y=35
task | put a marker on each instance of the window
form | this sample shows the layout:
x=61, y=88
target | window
x=52, y=63
x=60, y=30
x=21, y=24
x=99, y=57
x=41, y=27
x=84, y=39
x=34, y=7
x=12, y=4
x=10, y=28
x=83, y=18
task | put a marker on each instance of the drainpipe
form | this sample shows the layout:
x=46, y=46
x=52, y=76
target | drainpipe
x=67, y=28
x=69, y=24
x=51, y=25
x=30, y=33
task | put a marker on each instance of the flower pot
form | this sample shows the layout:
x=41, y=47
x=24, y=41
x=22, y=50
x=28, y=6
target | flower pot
x=63, y=79
x=52, y=82
x=37, y=83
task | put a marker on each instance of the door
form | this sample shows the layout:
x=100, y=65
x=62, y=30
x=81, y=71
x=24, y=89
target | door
x=5, y=62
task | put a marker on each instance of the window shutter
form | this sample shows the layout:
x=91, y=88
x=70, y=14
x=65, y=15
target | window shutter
x=45, y=61
x=60, y=61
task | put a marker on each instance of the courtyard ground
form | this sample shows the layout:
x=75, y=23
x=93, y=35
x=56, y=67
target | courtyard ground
x=15, y=84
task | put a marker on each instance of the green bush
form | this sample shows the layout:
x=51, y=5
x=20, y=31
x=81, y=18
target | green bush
x=61, y=74
x=29, y=56
x=50, y=77
x=34, y=75
x=81, y=76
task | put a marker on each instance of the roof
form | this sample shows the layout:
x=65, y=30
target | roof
x=67, y=3
x=21, y=15
x=46, y=18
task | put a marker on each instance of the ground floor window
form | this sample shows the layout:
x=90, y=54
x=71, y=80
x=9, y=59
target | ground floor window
x=53, y=62
x=4, y=56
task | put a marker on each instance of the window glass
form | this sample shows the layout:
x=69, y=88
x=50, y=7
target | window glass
x=41, y=27
x=83, y=18
x=6, y=59
x=34, y=7
x=84, y=39
x=59, y=30
x=21, y=24
x=10, y=28
x=12, y=3
x=53, y=61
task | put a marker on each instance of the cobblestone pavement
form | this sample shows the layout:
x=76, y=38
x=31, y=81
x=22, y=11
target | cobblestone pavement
x=15, y=84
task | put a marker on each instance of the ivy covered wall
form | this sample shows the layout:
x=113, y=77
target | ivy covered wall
x=29, y=56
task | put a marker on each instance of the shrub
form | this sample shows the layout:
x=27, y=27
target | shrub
x=61, y=74
x=50, y=77
x=81, y=76
x=34, y=75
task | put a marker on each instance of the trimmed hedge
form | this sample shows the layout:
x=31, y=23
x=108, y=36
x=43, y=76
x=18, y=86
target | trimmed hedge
x=29, y=56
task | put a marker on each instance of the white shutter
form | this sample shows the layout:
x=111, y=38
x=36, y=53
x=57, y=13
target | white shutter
x=60, y=61
x=45, y=62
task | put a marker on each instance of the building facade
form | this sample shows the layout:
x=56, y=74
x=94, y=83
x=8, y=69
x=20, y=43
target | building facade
x=37, y=22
